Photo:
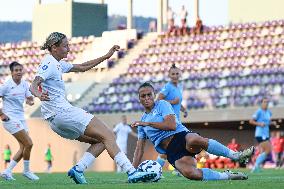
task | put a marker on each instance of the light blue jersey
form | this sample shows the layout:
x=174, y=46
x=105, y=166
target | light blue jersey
x=161, y=109
x=171, y=92
x=51, y=70
x=262, y=116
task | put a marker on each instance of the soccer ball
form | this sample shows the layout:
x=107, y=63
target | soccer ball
x=151, y=166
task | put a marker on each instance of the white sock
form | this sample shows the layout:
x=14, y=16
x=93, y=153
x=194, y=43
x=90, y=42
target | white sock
x=11, y=166
x=118, y=169
x=26, y=165
x=85, y=161
x=122, y=161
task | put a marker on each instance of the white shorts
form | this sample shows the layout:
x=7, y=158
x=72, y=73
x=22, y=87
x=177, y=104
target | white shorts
x=14, y=126
x=71, y=123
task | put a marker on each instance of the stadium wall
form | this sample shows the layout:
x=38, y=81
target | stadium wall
x=204, y=115
x=89, y=19
x=51, y=17
x=241, y=11
x=71, y=18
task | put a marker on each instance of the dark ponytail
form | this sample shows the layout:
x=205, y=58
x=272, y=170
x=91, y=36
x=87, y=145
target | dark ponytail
x=173, y=67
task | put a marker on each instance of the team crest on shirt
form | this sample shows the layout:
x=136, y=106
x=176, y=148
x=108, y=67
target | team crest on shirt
x=44, y=67
x=58, y=67
x=155, y=112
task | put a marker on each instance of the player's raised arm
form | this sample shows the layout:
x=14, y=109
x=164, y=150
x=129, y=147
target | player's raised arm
x=139, y=151
x=34, y=89
x=30, y=100
x=92, y=63
x=161, y=96
x=168, y=124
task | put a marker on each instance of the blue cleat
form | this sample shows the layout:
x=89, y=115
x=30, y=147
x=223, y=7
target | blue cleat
x=139, y=176
x=77, y=176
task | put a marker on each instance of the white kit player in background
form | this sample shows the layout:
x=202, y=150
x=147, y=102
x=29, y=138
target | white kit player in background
x=75, y=123
x=122, y=130
x=14, y=92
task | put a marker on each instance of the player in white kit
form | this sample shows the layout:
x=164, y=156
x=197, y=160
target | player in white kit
x=14, y=92
x=122, y=130
x=71, y=122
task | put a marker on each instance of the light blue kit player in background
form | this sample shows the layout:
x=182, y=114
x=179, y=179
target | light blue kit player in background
x=172, y=93
x=261, y=119
x=170, y=137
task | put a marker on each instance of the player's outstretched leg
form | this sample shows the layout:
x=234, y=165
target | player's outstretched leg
x=209, y=174
x=97, y=131
x=216, y=148
x=187, y=167
x=195, y=143
x=77, y=171
x=265, y=148
x=259, y=160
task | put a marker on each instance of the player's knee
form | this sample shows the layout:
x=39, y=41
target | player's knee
x=195, y=140
x=109, y=135
x=21, y=150
x=29, y=145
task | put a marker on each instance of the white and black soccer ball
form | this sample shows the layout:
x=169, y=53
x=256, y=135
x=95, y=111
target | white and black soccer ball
x=151, y=166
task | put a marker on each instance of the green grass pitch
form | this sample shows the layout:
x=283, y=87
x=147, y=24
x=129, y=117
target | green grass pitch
x=267, y=179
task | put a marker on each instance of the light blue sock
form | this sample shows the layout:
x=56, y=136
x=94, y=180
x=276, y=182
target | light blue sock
x=161, y=161
x=218, y=149
x=209, y=174
x=260, y=159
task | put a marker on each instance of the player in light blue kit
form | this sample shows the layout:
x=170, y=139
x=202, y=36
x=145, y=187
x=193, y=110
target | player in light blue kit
x=15, y=92
x=172, y=93
x=71, y=122
x=170, y=137
x=261, y=120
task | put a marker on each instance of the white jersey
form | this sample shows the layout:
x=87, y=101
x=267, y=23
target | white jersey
x=122, y=132
x=170, y=14
x=13, y=98
x=183, y=14
x=50, y=70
